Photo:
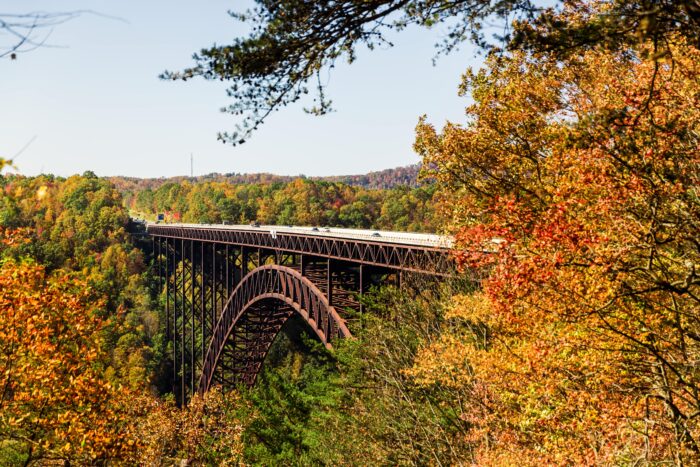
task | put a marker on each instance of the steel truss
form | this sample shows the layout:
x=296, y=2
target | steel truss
x=228, y=293
x=434, y=261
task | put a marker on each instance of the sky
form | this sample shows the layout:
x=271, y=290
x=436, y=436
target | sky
x=93, y=100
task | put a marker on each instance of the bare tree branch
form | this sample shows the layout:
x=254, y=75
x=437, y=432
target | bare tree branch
x=25, y=32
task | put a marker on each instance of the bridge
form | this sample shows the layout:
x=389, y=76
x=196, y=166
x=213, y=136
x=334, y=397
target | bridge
x=229, y=289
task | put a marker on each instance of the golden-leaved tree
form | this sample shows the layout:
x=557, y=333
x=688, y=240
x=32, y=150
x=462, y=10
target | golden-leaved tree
x=56, y=405
x=54, y=402
x=206, y=432
x=575, y=185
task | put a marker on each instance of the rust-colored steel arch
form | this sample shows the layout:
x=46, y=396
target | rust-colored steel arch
x=264, y=299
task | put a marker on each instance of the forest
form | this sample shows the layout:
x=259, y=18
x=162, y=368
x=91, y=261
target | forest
x=570, y=334
x=297, y=202
x=383, y=179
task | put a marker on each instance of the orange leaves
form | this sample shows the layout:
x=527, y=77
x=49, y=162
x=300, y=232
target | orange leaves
x=52, y=389
x=13, y=237
x=574, y=185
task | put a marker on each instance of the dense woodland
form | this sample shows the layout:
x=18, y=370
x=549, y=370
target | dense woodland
x=299, y=202
x=571, y=190
x=97, y=339
x=383, y=179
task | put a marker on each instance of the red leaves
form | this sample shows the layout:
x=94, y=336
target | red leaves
x=584, y=225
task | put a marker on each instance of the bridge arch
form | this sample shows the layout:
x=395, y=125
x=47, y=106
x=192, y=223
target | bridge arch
x=254, y=314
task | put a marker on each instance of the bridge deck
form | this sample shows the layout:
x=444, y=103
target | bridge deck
x=378, y=236
x=426, y=253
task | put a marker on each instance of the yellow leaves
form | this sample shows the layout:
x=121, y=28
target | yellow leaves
x=445, y=362
x=54, y=393
x=472, y=307
x=41, y=192
x=588, y=170
x=205, y=429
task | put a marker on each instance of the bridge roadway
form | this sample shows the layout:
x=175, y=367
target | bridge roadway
x=407, y=251
x=382, y=236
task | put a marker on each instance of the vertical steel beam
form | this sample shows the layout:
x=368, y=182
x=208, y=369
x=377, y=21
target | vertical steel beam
x=362, y=285
x=174, y=328
x=202, y=304
x=228, y=283
x=329, y=281
x=153, y=254
x=214, y=281
x=167, y=288
x=244, y=262
x=193, y=353
x=160, y=269
x=177, y=289
x=182, y=324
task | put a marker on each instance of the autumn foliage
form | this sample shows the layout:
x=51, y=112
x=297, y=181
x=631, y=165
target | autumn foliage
x=575, y=185
x=206, y=432
x=572, y=338
x=54, y=403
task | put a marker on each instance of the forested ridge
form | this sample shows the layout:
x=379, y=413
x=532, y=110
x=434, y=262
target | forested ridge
x=383, y=179
x=298, y=202
x=569, y=336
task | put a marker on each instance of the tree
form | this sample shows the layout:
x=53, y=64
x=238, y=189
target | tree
x=293, y=41
x=356, y=405
x=575, y=184
x=54, y=402
x=206, y=432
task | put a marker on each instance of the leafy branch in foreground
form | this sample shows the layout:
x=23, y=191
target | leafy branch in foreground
x=293, y=42
x=588, y=173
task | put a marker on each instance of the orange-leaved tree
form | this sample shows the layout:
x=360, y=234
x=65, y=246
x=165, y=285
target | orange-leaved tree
x=575, y=184
x=54, y=402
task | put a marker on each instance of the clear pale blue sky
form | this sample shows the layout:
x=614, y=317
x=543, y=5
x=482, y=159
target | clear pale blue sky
x=97, y=103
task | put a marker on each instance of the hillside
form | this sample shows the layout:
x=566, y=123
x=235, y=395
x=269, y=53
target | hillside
x=384, y=179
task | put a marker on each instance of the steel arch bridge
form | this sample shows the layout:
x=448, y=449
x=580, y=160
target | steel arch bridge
x=230, y=289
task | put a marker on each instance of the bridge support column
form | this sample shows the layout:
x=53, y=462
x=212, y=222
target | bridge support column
x=157, y=254
x=329, y=281
x=244, y=262
x=167, y=288
x=179, y=359
x=228, y=267
x=214, y=282
x=362, y=285
x=192, y=312
x=202, y=307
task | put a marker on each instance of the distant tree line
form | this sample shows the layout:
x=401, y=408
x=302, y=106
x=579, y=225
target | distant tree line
x=298, y=202
x=384, y=179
